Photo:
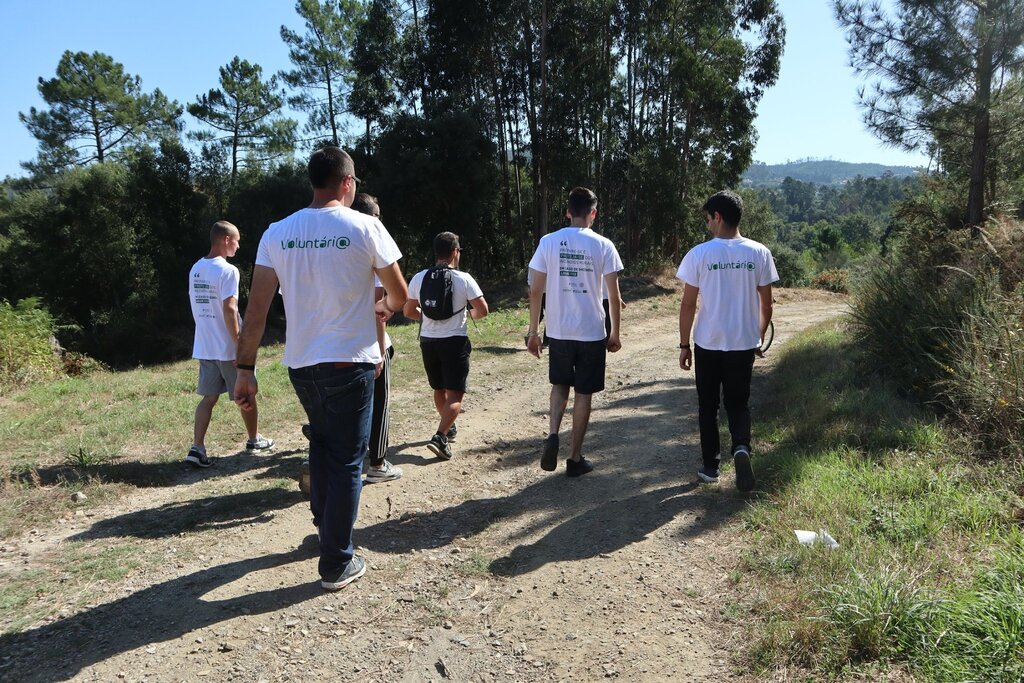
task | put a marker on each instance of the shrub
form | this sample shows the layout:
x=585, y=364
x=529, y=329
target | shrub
x=944, y=316
x=26, y=354
x=835, y=280
x=788, y=264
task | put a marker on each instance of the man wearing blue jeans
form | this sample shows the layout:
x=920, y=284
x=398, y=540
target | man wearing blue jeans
x=734, y=277
x=323, y=259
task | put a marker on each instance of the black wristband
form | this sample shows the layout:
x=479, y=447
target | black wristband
x=684, y=346
x=243, y=366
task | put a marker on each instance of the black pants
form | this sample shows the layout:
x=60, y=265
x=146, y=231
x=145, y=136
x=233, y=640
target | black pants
x=381, y=420
x=720, y=373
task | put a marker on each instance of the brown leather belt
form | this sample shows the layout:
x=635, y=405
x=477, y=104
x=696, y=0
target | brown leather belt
x=344, y=364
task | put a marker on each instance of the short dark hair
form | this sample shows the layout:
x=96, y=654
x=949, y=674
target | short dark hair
x=581, y=202
x=222, y=229
x=366, y=203
x=329, y=166
x=727, y=204
x=445, y=245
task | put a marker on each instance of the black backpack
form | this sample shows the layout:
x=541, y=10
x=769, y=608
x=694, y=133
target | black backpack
x=437, y=293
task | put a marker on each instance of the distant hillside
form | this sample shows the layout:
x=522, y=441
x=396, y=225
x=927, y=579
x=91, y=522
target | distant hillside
x=821, y=172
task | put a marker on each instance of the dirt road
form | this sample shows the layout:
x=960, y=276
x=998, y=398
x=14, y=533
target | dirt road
x=483, y=568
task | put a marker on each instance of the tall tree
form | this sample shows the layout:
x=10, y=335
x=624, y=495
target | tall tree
x=245, y=113
x=95, y=110
x=940, y=67
x=375, y=60
x=322, y=73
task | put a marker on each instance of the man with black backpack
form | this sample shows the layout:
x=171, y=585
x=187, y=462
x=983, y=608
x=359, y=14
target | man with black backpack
x=441, y=297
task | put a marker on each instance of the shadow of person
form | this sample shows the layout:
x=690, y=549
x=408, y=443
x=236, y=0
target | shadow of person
x=216, y=512
x=603, y=529
x=160, y=613
x=151, y=473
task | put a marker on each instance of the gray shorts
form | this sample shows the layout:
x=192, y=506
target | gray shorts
x=217, y=377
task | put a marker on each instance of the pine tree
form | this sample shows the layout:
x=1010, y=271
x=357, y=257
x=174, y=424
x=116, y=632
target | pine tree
x=245, y=115
x=941, y=66
x=96, y=110
x=322, y=73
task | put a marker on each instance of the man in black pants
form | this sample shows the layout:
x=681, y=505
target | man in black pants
x=734, y=277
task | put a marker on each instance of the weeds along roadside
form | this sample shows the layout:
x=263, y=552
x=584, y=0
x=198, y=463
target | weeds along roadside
x=929, y=574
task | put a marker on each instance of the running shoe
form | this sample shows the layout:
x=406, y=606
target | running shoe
x=260, y=443
x=577, y=468
x=352, y=571
x=744, y=472
x=438, y=444
x=198, y=458
x=708, y=474
x=549, y=459
x=386, y=472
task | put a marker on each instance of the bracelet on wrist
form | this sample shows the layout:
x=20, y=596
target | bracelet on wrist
x=684, y=346
x=533, y=334
x=245, y=366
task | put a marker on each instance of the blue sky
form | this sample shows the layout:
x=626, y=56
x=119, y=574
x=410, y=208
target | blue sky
x=179, y=46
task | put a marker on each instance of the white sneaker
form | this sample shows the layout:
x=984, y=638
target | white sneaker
x=386, y=472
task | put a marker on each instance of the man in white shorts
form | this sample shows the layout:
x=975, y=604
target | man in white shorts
x=213, y=291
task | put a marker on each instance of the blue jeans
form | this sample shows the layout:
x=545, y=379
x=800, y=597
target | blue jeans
x=338, y=400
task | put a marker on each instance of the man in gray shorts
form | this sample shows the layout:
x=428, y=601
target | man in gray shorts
x=213, y=292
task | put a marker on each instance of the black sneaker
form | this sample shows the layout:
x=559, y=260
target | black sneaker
x=353, y=570
x=452, y=433
x=438, y=444
x=744, y=472
x=549, y=459
x=198, y=458
x=708, y=474
x=578, y=469
x=307, y=431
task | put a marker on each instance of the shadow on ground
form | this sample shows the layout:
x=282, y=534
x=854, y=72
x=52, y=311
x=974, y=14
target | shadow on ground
x=644, y=480
x=160, y=613
x=143, y=474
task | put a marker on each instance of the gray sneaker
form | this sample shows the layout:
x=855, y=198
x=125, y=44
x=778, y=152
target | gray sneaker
x=386, y=472
x=439, y=445
x=453, y=433
x=260, y=443
x=352, y=571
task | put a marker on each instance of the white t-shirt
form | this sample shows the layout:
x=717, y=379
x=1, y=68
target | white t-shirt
x=728, y=273
x=576, y=261
x=324, y=259
x=464, y=288
x=210, y=282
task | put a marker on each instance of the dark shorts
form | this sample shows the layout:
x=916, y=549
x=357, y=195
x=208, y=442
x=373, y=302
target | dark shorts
x=578, y=364
x=446, y=361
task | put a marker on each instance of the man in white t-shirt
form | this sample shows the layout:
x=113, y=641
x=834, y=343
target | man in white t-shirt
x=568, y=269
x=444, y=336
x=324, y=257
x=213, y=292
x=734, y=277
